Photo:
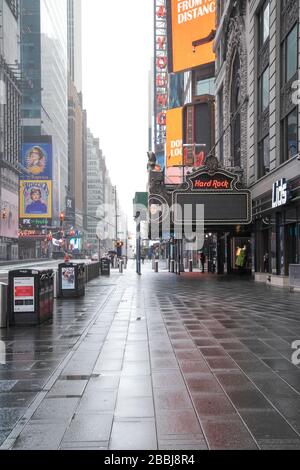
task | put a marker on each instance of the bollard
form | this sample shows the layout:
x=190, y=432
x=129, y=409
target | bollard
x=56, y=285
x=191, y=266
x=121, y=267
x=172, y=266
x=156, y=266
x=3, y=305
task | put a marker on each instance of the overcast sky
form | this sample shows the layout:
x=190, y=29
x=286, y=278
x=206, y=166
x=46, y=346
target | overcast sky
x=117, y=51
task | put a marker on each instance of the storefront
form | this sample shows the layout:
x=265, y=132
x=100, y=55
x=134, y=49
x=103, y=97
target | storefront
x=277, y=228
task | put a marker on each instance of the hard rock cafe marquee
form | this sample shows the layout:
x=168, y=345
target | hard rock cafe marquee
x=219, y=191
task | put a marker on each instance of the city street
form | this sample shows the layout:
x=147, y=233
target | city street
x=166, y=362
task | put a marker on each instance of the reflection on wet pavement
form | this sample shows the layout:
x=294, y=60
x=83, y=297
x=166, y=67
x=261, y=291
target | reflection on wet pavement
x=158, y=362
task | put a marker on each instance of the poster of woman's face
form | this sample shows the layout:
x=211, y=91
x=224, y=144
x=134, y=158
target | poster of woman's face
x=37, y=161
x=35, y=199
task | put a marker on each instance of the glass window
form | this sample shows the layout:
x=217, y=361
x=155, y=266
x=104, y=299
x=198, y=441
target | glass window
x=265, y=90
x=264, y=157
x=292, y=134
x=291, y=54
x=266, y=22
x=205, y=87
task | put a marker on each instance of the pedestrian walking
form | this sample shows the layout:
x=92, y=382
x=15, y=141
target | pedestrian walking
x=203, y=261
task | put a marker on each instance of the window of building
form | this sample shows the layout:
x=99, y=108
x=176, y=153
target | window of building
x=290, y=135
x=289, y=55
x=205, y=87
x=236, y=113
x=264, y=23
x=264, y=157
x=264, y=85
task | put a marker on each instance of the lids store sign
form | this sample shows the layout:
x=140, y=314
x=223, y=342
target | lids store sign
x=280, y=193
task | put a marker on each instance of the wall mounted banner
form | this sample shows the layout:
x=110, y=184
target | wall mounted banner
x=36, y=159
x=35, y=199
x=191, y=32
x=174, y=145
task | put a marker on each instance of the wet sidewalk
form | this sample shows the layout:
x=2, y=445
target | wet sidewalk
x=156, y=362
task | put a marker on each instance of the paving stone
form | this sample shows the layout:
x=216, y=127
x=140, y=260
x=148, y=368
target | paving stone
x=136, y=435
x=89, y=427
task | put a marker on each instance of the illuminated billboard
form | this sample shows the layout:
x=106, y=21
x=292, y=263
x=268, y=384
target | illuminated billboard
x=35, y=199
x=36, y=158
x=191, y=32
x=174, y=145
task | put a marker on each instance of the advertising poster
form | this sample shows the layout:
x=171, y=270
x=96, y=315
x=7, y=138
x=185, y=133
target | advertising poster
x=174, y=144
x=35, y=199
x=75, y=244
x=68, y=278
x=24, y=294
x=9, y=225
x=191, y=33
x=37, y=161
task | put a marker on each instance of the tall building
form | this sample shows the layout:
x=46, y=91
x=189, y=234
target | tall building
x=75, y=42
x=95, y=171
x=76, y=150
x=10, y=129
x=257, y=46
x=44, y=63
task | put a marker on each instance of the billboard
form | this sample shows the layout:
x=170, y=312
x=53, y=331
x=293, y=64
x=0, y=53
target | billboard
x=36, y=159
x=174, y=145
x=191, y=28
x=9, y=224
x=24, y=294
x=35, y=199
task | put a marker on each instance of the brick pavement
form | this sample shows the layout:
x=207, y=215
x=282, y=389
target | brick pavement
x=157, y=362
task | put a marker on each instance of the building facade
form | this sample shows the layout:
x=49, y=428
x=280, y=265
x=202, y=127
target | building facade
x=10, y=127
x=44, y=64
x=257, y=47
x=95, y=173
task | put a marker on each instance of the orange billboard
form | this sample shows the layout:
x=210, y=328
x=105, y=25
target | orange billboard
x=174, y=139
x=192, y=29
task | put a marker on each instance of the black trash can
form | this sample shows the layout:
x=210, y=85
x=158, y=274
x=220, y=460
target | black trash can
x=31, y=297
x=105, y=265
x=71, y=280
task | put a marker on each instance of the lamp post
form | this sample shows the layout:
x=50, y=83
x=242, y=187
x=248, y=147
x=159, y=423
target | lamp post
x=99, y=247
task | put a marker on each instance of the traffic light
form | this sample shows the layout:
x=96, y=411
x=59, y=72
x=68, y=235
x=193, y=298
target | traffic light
x=61, y=218
x=4, y=214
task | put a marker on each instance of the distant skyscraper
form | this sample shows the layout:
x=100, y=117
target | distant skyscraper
x=75, y=42
x=76, y=177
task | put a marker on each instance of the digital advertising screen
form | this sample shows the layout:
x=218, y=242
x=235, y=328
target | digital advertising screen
x=36, y=159
x=174, y=141
x=191, y=33
x=35, y=199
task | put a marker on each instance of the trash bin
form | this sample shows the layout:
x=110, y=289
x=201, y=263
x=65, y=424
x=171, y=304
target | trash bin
x=105, y=265
x=3, y=305
x=72, y=280
x=31, y=296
